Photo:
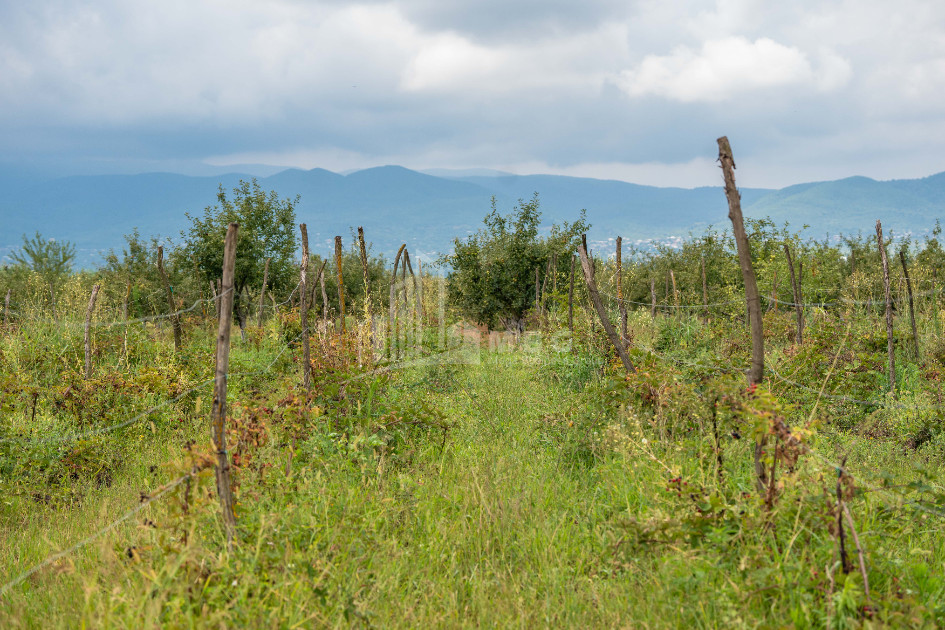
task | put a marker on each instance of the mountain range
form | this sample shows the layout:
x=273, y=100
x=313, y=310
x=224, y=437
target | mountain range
x=427, y=210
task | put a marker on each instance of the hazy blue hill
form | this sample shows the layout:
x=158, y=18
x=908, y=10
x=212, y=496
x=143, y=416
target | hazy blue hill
x=396, y=205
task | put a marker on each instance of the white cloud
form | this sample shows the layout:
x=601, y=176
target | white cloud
x=727, y=67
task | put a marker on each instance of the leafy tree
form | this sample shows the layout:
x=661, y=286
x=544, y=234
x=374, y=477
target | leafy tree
x=267, y=230
x=137, y=264
x=493, y=271
x=50, y=259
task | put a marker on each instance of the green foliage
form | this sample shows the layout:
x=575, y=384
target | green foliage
x=50, y=259
x=494, y=270
x=267, y=230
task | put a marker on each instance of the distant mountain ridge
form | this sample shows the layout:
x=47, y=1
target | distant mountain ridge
x=427, y=211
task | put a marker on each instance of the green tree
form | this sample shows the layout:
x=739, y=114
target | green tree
x=267, y=230
x=48, y=258
x=493, y=271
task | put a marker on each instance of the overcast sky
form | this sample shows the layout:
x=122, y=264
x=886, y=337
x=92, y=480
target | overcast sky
x=634, y=90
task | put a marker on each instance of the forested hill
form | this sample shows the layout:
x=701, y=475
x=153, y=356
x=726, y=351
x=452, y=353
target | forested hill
x=427, y=211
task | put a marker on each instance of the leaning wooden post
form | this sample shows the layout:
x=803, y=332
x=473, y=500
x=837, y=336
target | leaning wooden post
x=262, y=293
x=620, y=303
x=889, y=315
x=392, y=302
x=796, y=286
x=175, y=319
x=218, y=412
x=303, y=311
x=602, y=312
x=88, y=332
x=705, y=291
x=905, y=271
x=756, y=372
x=341, y=283
x=367, y=282
x=571, y=300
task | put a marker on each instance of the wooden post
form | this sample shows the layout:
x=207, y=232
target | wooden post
x=753, y=301
x=620, y=303
x=889, y=316
x=364, y=269
x=392, y=301
x=321, y=281
x=653, y=298
x=796, y=286
x=705, y=290
x=218, y=412
x=915, y=333
x=756, y=373
x=571, y=300
x=672, y=276
x=262, y=293
x=175, y=319
x=602, y=312
x=88, y=332
x=341, y=282
x=303, y=311
x=124, y=317
x=6, y=309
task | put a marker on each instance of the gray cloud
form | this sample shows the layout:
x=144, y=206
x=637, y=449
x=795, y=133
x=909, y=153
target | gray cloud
x=806, y=90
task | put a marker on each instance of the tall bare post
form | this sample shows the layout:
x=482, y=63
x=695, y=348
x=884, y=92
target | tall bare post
x=602, y=312
x=571, y=300
x=620, y=303
x=653, y=298
x=303, y=311
x=798, y=304
x=262, y=293
x=124, y=318
x=889, y=316
x=367, y=282
x=705, y=291
x=915, y=333
x=341, y=283
x=753, y=301
x=175, y=319
x=88, y=332
x=218, y=412
x=392, y=302
x=672, y=276
x=321, y=281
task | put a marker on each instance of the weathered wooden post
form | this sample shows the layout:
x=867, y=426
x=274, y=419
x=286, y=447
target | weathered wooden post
x=889, y=315
x=341, y=282
x=218, y=412
x=571, y=300
x=175, y=319
x=602, y=312
x=753, y=301
x=367, y=280
x=88, y=332
x=303, y=312
x=796, y=286
x=620, y=303
x=915, y=333
x=392, y=302
x=262, y=293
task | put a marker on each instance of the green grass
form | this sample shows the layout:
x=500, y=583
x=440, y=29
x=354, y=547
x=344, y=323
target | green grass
x=533, y=489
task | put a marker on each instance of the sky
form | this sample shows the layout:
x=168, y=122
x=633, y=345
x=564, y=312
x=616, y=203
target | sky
x=636, y=90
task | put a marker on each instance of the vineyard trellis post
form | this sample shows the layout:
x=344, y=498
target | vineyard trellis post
x=905, y=271
x=262, y=293
x=890, y=346
x=175, y=319
x=303, y=311
x=602, y=312
x=621, y=305
x=341, y=283
x=222, y=469
x=752, y=299
x=88, y=332
x=796, y=288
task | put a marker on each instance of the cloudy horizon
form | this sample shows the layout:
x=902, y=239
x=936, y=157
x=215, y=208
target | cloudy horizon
x=637, y=91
